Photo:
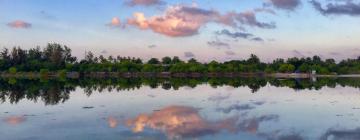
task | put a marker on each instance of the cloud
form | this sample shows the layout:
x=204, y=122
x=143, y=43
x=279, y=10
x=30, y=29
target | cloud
x=189, y=54
x=265, y=10
x=249, y=18
x=234, y=35
x=259, y=102
x=115, y=22
x=19, y=24
x=218, y=44
x=144, y=2
x=335, y=53
x=104, y=52
x=242, y=35
x=258, y=39
x=230, y=53
x=182, y=21
x=178, y=21
x=286, y=4
x=298, y=53
x=346, y=8
x=152, y=46
x=47, y=15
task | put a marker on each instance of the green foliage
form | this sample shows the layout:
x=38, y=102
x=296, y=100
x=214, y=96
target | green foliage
x=304, y=68
x=15, y=90
x=55, y=57
x=44, y=72
x=151, y=68
x=62, y=74
x=12, y=81
x=166, y=60
x=12, y=70
x=287, y=68
x=153, y=61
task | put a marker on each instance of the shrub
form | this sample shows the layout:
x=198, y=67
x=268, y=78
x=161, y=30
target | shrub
x=44, y=72
x=12, y=70
x=62, y=73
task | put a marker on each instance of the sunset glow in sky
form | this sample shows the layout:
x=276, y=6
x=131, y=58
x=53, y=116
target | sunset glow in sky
x=202, y=29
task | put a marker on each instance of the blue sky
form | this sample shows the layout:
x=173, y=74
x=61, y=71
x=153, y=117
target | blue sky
x=275, y=28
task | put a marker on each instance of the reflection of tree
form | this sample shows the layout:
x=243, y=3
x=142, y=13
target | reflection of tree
x=53, y=91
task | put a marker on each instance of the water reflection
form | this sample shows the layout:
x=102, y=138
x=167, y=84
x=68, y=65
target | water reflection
x=15, y=120
x=237, y=107
x=53, y=92
x=179, y=122
x=84, y=109
x=333, y=134
x=113, y=122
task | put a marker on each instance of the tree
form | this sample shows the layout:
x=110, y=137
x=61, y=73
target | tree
x=176, y=60
x=287, y=68
x=89, y=57
x=193, y=60
x=213, y=66
x=253, y=59
x=304, y=68
x=18, y=56
x=166, y=60
x=153, y=61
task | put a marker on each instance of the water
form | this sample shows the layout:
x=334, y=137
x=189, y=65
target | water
x=247, y=109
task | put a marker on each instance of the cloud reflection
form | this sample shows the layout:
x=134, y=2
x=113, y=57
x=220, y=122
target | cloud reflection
x=236, y=107
x=342, y=134
x=185, y=122
x=180, y=122
x=15, y=120
x=112, y=122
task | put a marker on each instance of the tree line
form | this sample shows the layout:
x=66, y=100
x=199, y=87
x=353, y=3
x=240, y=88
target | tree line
x=56, y=57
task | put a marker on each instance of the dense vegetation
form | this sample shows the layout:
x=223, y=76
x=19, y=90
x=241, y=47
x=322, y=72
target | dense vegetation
x=58, y=58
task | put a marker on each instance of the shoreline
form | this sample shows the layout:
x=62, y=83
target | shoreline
x=76, y=75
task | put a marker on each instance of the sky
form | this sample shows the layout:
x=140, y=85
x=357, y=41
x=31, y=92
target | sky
x=202, y=29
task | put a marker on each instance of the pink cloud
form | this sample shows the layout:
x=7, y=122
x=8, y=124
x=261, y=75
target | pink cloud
x=19, y=24
x=180, y=21
x=115, y=22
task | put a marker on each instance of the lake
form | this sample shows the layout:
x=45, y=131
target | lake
x=205, y=109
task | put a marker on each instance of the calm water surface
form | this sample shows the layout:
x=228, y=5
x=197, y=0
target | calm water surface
x=202, y=112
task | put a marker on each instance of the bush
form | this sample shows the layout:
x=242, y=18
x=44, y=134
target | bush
x=62, y=73
x=286, y=68
x=12, y=70
x=44, y=72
